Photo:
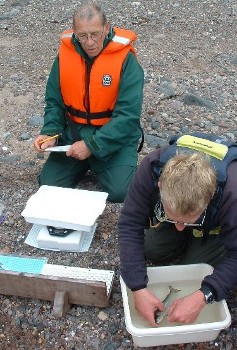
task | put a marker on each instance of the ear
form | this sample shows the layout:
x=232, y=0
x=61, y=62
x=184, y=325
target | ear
x=107, y=26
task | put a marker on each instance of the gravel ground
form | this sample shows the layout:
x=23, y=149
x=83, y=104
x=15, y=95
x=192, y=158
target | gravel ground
x=188, y=51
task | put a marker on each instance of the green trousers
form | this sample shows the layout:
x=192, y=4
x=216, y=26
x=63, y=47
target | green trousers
x=62, y=171
x=165, y=244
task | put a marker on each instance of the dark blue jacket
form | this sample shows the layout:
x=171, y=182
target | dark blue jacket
x=133, y=221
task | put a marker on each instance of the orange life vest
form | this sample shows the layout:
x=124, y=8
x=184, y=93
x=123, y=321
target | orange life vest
x=100, y=81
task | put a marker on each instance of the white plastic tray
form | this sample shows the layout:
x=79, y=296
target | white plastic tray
x=211, y=320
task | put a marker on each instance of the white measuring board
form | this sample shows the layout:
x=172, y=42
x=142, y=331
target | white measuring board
x=106, y=276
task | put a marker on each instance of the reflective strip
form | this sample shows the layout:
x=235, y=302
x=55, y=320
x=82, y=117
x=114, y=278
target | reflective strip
x=66, y=35
x=214, y=149
x=199, y=233
x=121, y=40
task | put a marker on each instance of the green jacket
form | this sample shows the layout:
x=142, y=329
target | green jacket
x=120, y=135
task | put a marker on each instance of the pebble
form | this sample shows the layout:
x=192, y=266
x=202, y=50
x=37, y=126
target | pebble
x=102, y=316
x=36, y=121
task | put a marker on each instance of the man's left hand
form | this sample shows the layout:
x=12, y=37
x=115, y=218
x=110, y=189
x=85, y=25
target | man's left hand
x=79, y=150
x=186, y=309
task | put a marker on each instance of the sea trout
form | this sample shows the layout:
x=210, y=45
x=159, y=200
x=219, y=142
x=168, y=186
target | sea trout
x=159, y=315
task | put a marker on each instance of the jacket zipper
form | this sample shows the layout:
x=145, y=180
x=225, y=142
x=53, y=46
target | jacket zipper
x=87, y=91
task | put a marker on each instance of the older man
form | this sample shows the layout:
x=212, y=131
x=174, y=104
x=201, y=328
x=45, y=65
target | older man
x=93, y=102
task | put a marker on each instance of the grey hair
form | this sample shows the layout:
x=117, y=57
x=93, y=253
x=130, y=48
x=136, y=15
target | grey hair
x=88, y=10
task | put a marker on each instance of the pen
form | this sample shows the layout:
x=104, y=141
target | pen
x=49, y=138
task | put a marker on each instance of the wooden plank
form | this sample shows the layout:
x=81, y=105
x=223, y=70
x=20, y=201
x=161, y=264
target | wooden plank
x=45, y=287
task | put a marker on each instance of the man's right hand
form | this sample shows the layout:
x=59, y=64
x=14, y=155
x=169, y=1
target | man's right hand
x=146, y=303
x=40, y=146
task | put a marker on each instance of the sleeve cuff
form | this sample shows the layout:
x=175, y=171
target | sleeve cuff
x=93, y=145
x=138, y=288
x=211, y=289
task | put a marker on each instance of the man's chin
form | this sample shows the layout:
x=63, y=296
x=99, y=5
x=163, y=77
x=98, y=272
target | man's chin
x=92, y=52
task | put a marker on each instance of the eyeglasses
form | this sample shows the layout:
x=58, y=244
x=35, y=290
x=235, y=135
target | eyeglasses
x=95, y=36
x=162, y=217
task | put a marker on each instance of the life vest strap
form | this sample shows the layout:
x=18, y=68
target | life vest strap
x=88, y=115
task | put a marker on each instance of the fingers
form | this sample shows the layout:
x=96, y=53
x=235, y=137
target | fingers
x=152, y=322
x=149, y=316
x=69, y=153
x=146, y=304
x=37, y=146
x=40, y=145
x=79, y=151
x=47, y=144
x=185, y=310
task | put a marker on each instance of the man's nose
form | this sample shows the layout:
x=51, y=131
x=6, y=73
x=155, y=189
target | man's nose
x=89, y=40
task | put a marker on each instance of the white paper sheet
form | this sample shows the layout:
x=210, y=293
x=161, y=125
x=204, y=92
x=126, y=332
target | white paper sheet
x=57, y=148
x=65, y=207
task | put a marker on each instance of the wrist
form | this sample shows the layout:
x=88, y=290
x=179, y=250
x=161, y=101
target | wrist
x=138, y=288
x=208, y=294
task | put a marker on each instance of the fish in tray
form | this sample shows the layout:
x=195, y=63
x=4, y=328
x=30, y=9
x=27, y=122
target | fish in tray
x=159, y=315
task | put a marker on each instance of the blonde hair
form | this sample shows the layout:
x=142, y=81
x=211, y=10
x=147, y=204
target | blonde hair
x=187, y=183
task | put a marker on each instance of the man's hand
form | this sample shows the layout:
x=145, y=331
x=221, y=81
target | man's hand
x=40, y=146
x=146, y=303
x=79, y=150
x=187, y=309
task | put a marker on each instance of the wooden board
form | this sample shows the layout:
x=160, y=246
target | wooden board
x=43, y=287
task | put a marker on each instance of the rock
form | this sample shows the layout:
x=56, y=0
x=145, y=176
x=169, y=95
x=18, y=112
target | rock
x=190, y=99
x=36, y=121
x=25, y=136
x=102, y=316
